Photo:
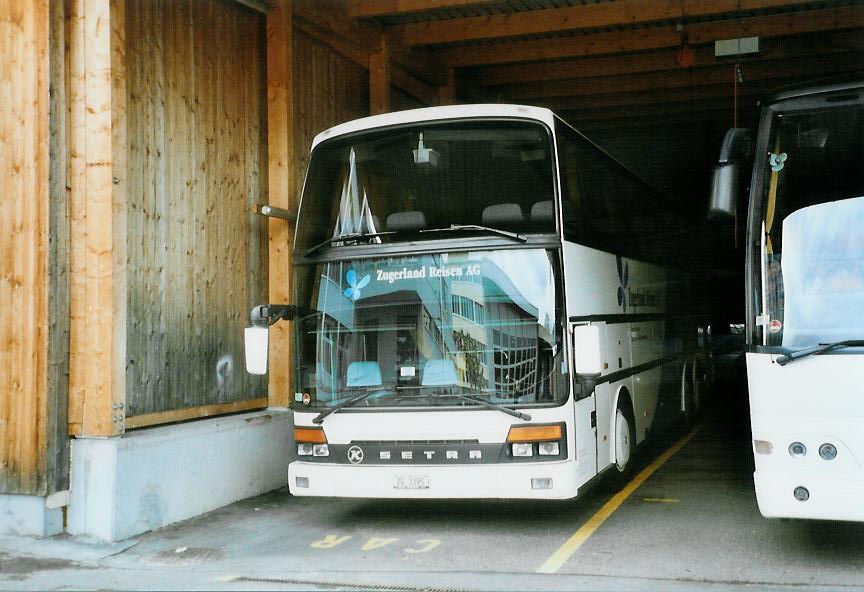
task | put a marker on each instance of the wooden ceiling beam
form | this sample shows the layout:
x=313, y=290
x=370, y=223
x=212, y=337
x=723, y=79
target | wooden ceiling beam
x=746, y=92
x=686, y=78
x=589, y=16
x=655, y=61
x=328, y=20
x=594, y=44
x=590, y=126
x=660, y=109
x=379, y=8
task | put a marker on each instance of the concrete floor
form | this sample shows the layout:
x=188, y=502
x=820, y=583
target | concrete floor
x=693, y=525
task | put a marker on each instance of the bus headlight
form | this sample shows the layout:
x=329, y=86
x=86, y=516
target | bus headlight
x=828, y=451
x=311, y=441
x=526, y=440
x=523, y=449
x=549, y=449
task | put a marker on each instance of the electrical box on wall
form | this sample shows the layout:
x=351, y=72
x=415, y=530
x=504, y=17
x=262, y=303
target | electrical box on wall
x=735, y=47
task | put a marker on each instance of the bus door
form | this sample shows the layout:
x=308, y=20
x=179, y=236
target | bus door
x=585, y=426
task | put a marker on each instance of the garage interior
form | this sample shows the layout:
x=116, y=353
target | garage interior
x=146, y=136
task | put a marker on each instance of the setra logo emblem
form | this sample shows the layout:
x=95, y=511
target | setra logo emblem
x=355, y=455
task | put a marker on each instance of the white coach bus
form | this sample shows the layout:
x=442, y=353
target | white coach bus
x=805, y=300
x=477, y=311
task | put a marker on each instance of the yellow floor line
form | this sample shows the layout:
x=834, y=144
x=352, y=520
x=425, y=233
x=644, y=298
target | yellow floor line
x=559, y=557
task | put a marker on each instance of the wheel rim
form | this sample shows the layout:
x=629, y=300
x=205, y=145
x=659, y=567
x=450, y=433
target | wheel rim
x=622, y=440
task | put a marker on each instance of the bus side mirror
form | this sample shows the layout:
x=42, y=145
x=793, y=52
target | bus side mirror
x=257, y=341
x=724, y=191
x=256, y=337
x=737, y=148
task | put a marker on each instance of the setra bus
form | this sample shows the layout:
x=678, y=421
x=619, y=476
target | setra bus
x=481, y=309
x=804, y=299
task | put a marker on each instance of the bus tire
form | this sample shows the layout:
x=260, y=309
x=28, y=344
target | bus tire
x=625, y=434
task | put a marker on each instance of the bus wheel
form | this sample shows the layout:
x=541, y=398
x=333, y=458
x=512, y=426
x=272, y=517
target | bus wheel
x=624, y=440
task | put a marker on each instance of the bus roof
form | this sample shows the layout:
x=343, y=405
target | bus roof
x=437, y=114
x=814, y=90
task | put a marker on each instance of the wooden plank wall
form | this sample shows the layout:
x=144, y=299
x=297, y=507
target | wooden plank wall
x=197, y=166
x=24, y=223
x=330, y=89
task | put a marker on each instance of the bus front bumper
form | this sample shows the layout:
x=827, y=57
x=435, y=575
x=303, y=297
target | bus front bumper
x=517, y=481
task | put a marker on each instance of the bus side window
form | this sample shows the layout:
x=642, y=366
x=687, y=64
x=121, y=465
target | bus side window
x=571, y=186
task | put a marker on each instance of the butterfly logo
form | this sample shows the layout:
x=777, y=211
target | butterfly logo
x=777, y=161
x=354, y=286
x=623, y=279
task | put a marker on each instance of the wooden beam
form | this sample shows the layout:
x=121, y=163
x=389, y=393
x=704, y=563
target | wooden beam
x=401, y=78
x=24, y=224
x=685, y=78
x=281, y=189
x=404, y=81
x=262, y=6
x=379, y=79
x=849, y=17
x=98, y=324
x=655, y=61
x=163, y=417
x=447, y=92
x=722, y=117
x=331, y=17
x=655, y=97
x=623, y=13
x=660, y=110
x=379, y=8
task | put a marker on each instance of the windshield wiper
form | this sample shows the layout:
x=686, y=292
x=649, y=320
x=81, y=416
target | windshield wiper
x=460, y=227
x=821, y=348
x=347, y=403
x=495, y=406
x=354, y=236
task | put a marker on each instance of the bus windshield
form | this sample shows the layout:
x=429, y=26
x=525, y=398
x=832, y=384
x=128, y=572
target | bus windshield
x=812, y=242
x=394, y=181
x=419, y=329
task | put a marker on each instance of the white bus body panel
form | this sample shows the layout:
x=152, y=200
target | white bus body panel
x=494, y=480
x=592, y=283
x=814, y=400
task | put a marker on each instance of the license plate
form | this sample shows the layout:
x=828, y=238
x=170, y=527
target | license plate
x=411, y=482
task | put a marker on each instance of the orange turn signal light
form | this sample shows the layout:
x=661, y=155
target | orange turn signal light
x=535, y=433
x=310, y=435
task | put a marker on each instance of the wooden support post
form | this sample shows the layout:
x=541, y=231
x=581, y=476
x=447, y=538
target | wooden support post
x=280, y=155
x=98, y=202
x=24, y=223
x=379, y=79
x=447, y=93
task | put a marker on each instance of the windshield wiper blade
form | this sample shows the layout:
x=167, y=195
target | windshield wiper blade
x=495, y=406
x=347, y=403
x=354, y=236
x=821, y=348
x=459, y=227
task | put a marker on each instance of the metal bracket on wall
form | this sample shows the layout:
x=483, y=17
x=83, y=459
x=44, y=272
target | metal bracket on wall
x=274, y=212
